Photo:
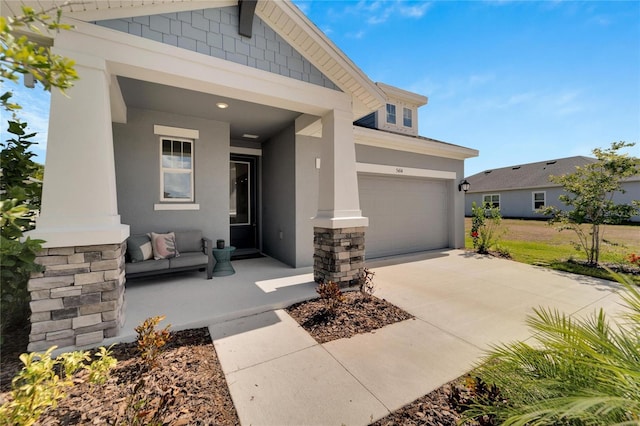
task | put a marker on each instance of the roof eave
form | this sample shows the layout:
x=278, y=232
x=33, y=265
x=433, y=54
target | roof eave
x=380, y=139
x=295, y=28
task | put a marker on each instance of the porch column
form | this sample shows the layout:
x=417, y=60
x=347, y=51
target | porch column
x=339, y=226
x=79, y=297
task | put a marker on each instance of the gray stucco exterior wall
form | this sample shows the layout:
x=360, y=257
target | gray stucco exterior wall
x=278, y=197
x=137, y=162
x=519, y=203
x=214, y=32
x=307, y=186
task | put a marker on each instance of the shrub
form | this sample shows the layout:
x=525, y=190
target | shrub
x=145, y=406
x=367, y=286
x=578, y=372
x=330, y=295
x=41, y=382
x=485, y=226
x=150, y=341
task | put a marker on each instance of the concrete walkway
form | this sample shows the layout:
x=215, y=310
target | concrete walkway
x=278, y=375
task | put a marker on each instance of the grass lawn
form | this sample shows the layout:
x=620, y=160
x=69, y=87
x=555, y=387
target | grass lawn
x=537, y=243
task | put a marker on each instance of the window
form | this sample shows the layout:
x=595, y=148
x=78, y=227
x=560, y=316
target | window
x=176, y=169
x=492, y=199
x=407, y=117
x=538, y=200
x=391, y=114
x=240, y=193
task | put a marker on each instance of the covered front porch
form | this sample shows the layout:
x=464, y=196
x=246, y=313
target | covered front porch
x=190, y=301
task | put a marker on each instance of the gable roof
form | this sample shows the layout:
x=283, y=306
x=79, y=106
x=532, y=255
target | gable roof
x=531, y=175
x=282, y=16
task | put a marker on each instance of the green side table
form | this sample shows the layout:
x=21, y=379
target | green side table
x=223, y=262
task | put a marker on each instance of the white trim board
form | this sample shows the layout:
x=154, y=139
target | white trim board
x=176, y=132
x=245, y=151
x=176, y=206
x=381, y=169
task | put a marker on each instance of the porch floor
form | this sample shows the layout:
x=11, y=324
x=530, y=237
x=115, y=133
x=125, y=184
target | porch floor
x=189, y=300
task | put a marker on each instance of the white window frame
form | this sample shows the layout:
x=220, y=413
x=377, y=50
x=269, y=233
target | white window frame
x=484, y=196
x=172, y=170
x=404, y=117
x=533, y=199
x=388, y=115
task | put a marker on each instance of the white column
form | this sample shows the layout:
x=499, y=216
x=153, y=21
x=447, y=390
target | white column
x=338, y=199
x=79, y=202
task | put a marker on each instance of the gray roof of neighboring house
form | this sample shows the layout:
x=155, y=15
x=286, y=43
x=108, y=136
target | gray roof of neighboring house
x=532, y=175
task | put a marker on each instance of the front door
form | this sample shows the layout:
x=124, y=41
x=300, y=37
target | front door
x=242, y=202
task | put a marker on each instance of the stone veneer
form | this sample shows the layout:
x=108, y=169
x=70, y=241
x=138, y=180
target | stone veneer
x=338, y=255
x=78, y=299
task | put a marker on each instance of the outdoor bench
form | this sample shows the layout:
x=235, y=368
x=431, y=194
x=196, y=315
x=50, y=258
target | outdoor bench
x=153, y=254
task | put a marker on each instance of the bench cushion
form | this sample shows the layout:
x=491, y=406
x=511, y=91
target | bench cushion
x=147, y=266
x=189, y=241
x=188, y=259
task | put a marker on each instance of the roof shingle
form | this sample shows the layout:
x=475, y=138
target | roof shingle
x=531, y=175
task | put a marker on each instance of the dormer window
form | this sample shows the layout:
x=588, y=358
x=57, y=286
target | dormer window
x=391, y=114
x=407, y=117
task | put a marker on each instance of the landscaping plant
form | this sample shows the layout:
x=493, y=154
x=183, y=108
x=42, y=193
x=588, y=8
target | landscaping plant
x=42, y=381
x=577, y=372
x=590, y=191
x=367, y=286
x=485, y=226
x=151, y=341
x=330, y=295
x=146, y=407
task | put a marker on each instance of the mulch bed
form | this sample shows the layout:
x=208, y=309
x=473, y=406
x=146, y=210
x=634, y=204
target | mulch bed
x=357, y=314
x=189, y=377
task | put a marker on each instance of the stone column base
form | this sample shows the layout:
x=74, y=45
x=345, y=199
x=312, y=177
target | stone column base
x=338, y=255
x=79, y=298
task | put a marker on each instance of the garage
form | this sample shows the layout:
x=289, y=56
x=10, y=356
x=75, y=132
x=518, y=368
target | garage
x=406, y=214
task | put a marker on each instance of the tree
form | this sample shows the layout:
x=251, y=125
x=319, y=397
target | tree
x=19, y=192
x=590, y=191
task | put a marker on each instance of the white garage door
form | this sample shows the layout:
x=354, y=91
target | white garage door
x=405, y=214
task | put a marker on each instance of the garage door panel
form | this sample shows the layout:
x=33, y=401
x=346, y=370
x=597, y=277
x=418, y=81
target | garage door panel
x=405, y=214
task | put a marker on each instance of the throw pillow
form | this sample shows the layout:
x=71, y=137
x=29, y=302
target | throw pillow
x=139, y=248
x=164, y=245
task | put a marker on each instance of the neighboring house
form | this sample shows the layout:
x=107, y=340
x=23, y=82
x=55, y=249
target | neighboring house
x=236, y=118
x=519, y=191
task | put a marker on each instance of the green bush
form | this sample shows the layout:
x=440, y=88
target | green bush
x=578, y=371
x=41, y=382
x=485, y=226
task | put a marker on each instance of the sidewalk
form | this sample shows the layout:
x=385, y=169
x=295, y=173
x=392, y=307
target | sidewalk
x=279, y=375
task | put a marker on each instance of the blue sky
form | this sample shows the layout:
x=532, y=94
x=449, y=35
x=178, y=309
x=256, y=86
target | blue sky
x=521, y=81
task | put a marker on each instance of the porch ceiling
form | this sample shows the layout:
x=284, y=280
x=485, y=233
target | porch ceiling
x=244, y=117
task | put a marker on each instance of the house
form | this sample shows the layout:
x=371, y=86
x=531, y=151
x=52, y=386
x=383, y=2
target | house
x=520, y=190
x=236, y=118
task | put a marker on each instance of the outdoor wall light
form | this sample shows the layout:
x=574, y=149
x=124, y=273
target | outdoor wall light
x=464, y=185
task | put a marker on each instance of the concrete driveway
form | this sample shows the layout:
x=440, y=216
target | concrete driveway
x=462, y=303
